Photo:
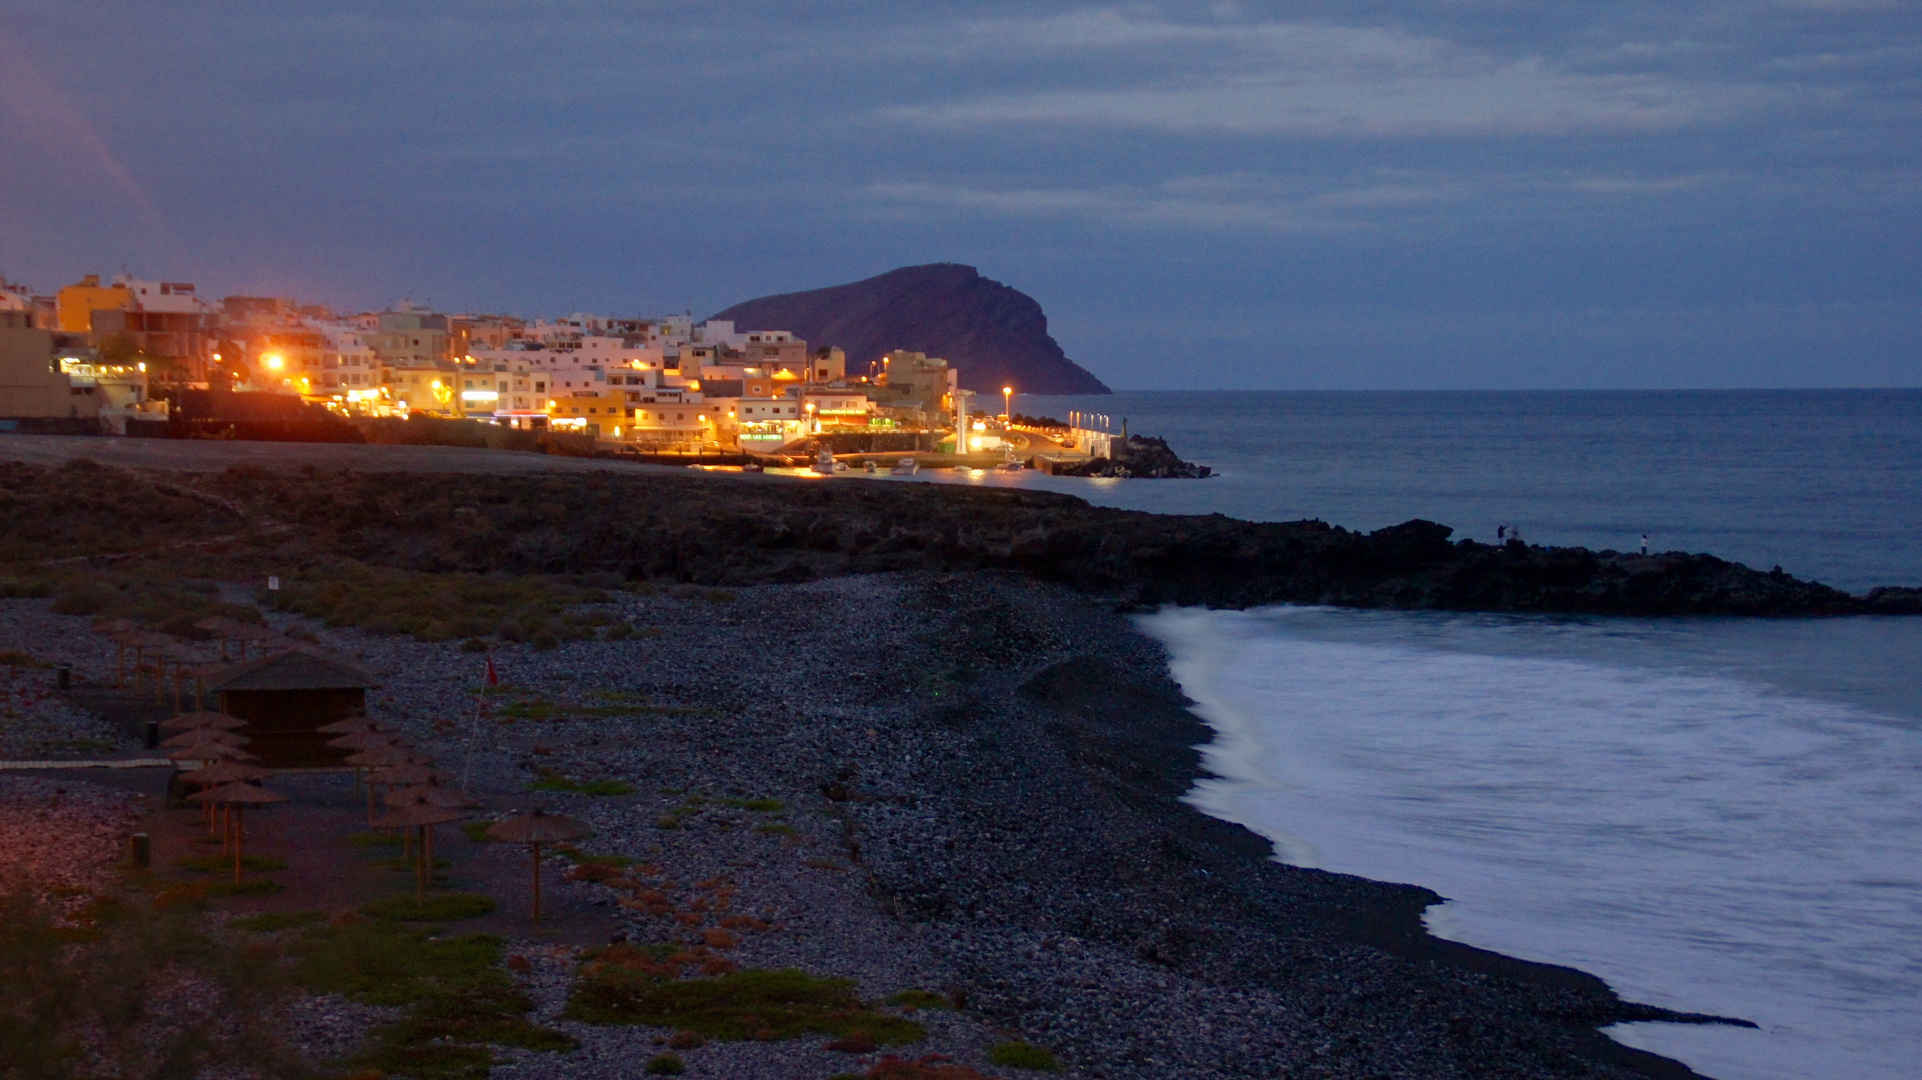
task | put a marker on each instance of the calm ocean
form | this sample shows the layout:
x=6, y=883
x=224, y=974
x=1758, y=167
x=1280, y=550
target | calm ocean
x=1715, y=815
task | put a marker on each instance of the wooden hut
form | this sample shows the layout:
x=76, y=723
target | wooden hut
x=286, y=698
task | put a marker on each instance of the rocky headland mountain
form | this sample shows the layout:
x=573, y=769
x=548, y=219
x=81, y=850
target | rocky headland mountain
x=997, y=335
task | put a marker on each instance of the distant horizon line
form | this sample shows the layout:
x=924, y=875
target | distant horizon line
x=1494, y=390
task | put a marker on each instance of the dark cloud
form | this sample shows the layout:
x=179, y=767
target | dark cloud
x=1395, y=194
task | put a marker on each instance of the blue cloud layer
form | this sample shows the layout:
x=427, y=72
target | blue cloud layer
x=1372, y=194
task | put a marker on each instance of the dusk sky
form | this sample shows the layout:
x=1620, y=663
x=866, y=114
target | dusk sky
x=1385, y=195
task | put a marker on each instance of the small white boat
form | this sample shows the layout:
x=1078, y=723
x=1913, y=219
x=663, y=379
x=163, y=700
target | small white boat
x=753, y=466
x=907, y=466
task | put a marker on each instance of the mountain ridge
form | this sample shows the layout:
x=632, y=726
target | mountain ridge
x=994, y=333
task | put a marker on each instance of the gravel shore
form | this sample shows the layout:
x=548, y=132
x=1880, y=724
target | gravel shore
x=961, y=783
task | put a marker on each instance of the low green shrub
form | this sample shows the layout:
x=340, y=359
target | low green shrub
x=458, y=998
x=669, y=1064
x=224, y=864
x=449, y=907
x=269, y=921
x=1022, y=1055
x=741, y=1005
x=920, y=999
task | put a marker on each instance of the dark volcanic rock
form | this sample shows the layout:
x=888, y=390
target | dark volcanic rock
x=735, y=530
x=997, y=335
x=1140, y=458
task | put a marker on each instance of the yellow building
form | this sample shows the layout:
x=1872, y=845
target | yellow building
x=76, y=303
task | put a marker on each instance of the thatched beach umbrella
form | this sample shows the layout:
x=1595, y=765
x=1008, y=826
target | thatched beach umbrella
x=352, y=725
x=535, y=829
x=218, y=773
x=204, y=719
x=113, y=628
x=141, y=641
x=208, y=735
x=366, y=740
x=400, y=776
x=424, y=817
x=211, y=751
x=431, y=794
x=391, y=755
x=238, y=797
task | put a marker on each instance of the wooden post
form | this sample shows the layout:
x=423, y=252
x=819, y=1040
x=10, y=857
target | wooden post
x=537, y=881
x=239, y=840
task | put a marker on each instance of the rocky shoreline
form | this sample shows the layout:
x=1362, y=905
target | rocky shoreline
x=981, y=779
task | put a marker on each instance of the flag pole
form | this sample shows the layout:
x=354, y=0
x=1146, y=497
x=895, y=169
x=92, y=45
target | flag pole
x=480, y=707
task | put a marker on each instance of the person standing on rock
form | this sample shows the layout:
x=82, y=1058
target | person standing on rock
x=1501, y=533
x=1644, y=543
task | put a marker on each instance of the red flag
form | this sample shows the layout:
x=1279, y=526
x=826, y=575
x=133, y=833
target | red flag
x=492, y=679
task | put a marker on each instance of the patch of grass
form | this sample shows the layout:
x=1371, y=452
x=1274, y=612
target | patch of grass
x=921, y=999
x=777, y=828
x=458, y=998
x=1021, y=1055
x=402, y=863
x=269, y=921
x=450, y=907
x=553, y=781
x=476, y=831
x=376, y=839
x=431, y=606
x=224, y=864
x=257, y=887
x=669, y=1064
x=582, y=858
x=759, y=806
x=741, y=1005
x=16, y=658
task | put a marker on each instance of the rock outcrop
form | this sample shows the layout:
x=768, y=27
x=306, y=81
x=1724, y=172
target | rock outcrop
x=997, y=335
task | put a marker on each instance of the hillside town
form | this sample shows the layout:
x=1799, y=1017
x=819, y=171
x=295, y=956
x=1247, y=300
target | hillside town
x=129, y=356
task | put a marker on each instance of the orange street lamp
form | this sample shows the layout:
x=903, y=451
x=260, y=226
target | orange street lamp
x=1007, y=402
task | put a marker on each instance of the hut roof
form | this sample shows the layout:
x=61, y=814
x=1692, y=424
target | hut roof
x=293, y=671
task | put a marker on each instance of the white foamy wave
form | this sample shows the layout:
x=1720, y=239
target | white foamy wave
x=1701, y=842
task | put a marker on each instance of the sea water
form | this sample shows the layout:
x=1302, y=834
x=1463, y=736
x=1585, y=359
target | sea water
x=1714, y=815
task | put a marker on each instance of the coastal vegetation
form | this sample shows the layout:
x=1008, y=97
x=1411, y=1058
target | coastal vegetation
x=624, y=984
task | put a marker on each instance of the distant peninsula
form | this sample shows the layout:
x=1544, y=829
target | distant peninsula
x=997, y=335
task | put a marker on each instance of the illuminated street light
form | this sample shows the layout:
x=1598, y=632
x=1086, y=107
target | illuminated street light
x=1007, y=403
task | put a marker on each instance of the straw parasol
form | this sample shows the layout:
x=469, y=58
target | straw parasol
x=113, y=628
x=218, y=773
x=424, y=817
x=365, y=740
x=381, y=757
x=237, y=797
x=391, y=755
x=211, y=751
x=224, y=772
x=406, y=775
x=204, y=719
x=535, y=829
x=207, y=735
x=140, y=641
x=352, y=725
x=429, y=794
